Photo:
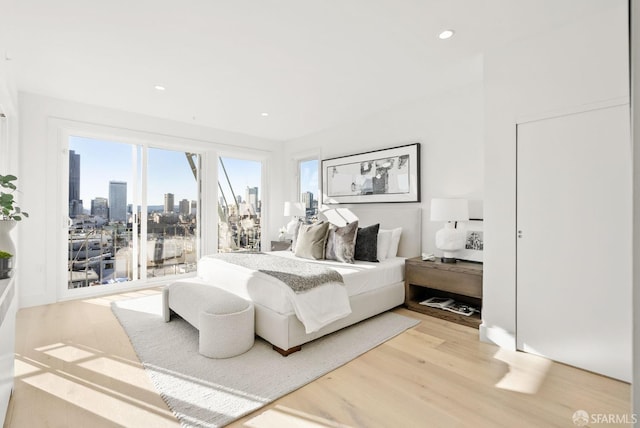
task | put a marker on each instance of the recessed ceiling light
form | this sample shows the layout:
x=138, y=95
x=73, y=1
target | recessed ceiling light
x=160, y=87
x=446, y=34
x=264, y=114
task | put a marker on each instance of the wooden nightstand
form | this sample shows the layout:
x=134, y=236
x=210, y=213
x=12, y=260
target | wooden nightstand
x=280, y=245
x=461, y=281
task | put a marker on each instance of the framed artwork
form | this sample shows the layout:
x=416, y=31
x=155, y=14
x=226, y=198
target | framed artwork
x=474, y=242
x=387, y=175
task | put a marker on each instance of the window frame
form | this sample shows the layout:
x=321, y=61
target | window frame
x=141, y=146
x=60, y=130
x=299, y=158
x=249, y=155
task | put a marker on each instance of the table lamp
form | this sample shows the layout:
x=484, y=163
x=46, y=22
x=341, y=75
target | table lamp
x=293, y=210
x=450, y=238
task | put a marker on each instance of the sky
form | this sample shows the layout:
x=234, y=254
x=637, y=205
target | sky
x=168, y=171
x=102, y=161
x=309, y=177
x=242, y=174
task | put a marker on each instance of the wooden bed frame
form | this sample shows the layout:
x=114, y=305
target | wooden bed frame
x=287, y=334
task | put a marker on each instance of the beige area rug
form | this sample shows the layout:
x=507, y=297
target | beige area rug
x=204, y=392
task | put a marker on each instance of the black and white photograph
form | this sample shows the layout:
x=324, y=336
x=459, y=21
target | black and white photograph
x=474, y=241
x=389, y=175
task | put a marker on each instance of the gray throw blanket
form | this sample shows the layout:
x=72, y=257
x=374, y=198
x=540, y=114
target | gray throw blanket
x=298, y=275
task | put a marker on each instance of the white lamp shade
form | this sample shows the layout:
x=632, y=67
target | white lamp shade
x=449, y=209
x=294, y=209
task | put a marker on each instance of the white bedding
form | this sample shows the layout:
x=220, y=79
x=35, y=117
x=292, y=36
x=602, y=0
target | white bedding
x=315, y=308
x=361, y=276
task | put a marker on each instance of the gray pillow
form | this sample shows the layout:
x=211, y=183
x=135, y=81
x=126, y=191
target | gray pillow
x=312, y=240
x=341, y=242
x=367, y=243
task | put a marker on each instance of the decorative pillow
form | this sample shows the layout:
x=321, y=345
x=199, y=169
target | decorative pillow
x=294, y=237
x=384, y=240
x=395, y=242
x=341, y=242
x=367, y=243
x=312, y=240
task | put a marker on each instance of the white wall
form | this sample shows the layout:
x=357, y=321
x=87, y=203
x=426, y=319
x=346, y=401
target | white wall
x=568, y=67
x=9, y=129
x=448, y=125
x=40, y=165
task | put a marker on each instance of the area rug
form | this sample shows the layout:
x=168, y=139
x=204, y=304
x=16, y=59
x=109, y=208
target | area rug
x=204, y=392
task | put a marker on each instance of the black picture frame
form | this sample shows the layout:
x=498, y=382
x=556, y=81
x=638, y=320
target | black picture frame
x=379, y=176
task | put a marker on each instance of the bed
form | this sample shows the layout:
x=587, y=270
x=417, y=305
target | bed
x=371, y=288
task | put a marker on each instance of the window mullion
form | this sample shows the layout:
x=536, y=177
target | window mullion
x=144, y=215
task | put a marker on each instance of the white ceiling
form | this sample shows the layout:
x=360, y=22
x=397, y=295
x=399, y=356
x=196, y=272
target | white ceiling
x=311, y=64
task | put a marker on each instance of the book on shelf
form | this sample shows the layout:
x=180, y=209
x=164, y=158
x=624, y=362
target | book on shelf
x=450, y=305
x=437, y=302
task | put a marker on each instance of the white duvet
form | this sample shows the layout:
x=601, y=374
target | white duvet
x=316, y=308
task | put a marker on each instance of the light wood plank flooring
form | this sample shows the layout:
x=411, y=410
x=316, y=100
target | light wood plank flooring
x=75, y=367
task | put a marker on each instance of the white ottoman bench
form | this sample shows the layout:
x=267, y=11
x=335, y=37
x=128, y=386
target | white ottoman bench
x=224, y=321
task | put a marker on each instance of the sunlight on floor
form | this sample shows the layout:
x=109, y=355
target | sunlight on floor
x=526, y=371
x=69, y=353
x=143, y=305
x=96, y=399
x=117, y=370
x=22, y=368
x=281, y=416
x=108, y=299
x=101, y=301
x=106, y=386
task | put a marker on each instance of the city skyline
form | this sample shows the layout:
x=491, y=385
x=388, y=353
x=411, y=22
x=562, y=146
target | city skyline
x=102, y=161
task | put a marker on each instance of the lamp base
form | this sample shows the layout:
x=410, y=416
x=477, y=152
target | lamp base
x=450, y=240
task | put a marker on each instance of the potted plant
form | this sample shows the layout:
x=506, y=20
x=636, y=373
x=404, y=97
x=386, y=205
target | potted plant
x=6, y=265
x=10, y=213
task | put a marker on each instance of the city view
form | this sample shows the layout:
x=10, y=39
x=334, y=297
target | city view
x=105, y=244
x=112, y=241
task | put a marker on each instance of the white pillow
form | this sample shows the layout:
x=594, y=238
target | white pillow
x=384, y=241
x=396, y=233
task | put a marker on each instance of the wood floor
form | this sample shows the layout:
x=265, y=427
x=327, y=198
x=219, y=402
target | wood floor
x=75, y=367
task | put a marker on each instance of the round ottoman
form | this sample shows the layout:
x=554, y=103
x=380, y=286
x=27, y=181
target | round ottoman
x=224, y=320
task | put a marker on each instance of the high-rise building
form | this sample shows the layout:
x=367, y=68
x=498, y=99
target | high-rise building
x=169, y=204
x=75, y=203
x=307, y=199
x=100, y=207
x=118, y=201
x=252, y=197
x=74, y=176
x=184, y=207
x=194, y=207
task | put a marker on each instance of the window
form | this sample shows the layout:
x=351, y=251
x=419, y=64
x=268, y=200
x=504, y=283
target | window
x=239, y=204
x=172, y=208
x=308, y=186
x=133, y=212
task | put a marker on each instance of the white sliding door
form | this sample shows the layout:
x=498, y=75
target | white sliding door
x=133, y=212
x=574, y=240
